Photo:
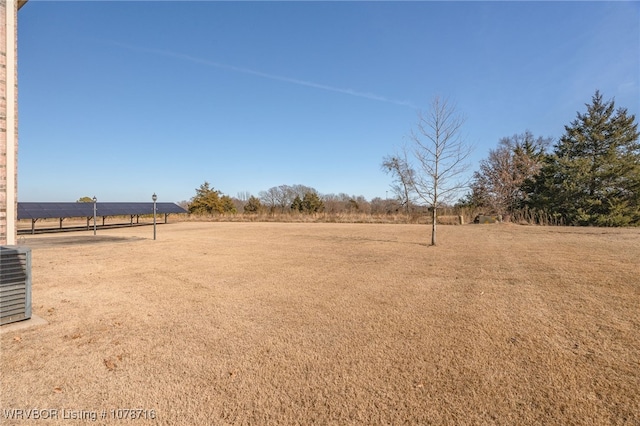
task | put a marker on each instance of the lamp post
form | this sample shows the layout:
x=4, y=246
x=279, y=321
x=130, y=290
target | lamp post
x=95, y=200
x=154, y=197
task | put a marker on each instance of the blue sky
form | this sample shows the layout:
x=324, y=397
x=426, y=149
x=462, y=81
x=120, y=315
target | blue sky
x=123, y=99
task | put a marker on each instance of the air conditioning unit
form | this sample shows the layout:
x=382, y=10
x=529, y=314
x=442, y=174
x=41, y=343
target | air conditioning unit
x=15, y=284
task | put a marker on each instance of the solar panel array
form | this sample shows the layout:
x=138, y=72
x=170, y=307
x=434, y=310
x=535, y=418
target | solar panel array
x=64, y=210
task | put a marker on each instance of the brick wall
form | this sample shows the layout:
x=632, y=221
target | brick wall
x=8, y=68
x=3, y=123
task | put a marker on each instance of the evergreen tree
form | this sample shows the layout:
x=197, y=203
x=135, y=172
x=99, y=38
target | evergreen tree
x=226, y=205
x=208, y=200
x=253, y=205
x=593, y=176
x=311, y=203
x=296, y=205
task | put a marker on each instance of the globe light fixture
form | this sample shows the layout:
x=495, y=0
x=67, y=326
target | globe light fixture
x=154, y=197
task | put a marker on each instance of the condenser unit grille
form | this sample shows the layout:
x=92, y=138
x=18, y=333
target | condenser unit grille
x=15, y=284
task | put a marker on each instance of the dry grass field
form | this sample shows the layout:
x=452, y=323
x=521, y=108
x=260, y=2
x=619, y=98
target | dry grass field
x=271, y=323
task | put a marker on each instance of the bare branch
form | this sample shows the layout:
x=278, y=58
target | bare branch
x=404, y=182
x=441, y=155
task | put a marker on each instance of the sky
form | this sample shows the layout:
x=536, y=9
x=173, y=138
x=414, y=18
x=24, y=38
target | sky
x=120, y=100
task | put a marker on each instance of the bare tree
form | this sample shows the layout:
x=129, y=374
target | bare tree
x=284, y=197
x=281, y=197
x=300, y=191
x=498, y=182
x=398, y=166
x=269, y=198
x=244, y=196
x=441, y=157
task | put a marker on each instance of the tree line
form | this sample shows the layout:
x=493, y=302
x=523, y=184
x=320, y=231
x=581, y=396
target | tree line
x=589, y=176
x=286, y=199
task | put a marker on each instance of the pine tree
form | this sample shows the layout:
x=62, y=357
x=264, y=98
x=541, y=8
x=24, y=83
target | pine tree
x=226, y=205
x=208, y=200
x=253, y=205
x=593, y=176
x=311, y=203
x=296, y=205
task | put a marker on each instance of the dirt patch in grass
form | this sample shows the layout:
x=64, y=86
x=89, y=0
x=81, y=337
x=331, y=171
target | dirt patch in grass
x=262, y=323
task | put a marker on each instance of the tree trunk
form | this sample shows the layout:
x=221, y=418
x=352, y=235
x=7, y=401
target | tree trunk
x=433, y=227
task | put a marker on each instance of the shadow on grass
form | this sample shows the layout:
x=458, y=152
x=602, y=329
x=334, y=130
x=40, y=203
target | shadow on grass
x=73, y=241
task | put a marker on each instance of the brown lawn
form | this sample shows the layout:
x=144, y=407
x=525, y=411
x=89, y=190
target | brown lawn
x=255, y=323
